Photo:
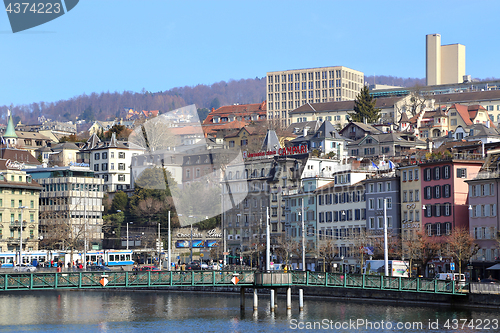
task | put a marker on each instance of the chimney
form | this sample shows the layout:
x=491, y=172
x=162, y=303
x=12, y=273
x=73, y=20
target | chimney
x=305, y=131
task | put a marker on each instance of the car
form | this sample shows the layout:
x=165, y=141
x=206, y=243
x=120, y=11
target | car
x=24, y=268
x=193, y=266
x=98, y=268
x=490, y=280
x=204, y=265
x=149, y=268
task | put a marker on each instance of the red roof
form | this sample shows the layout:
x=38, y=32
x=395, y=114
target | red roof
x=237, y=111
x=463, y=112
x=152, y=113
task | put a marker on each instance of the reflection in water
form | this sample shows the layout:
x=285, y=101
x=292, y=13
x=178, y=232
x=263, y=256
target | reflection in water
x=111, y=311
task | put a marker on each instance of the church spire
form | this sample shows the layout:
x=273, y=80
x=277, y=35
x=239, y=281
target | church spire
x=10, y=130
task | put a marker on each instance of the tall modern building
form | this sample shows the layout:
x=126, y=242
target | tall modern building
x=288, y=90
x=445, y=64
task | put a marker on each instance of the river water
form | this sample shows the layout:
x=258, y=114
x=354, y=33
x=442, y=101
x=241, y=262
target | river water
x=161, y=311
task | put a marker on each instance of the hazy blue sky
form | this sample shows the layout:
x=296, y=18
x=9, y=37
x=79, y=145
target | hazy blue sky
x=117, y=45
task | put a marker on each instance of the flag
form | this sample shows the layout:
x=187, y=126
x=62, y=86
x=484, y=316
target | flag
x=374, y=165
x=391, y=165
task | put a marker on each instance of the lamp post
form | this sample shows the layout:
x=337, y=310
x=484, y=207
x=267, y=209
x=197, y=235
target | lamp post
x=169, y=241
x=303, y=239
x=21, y=237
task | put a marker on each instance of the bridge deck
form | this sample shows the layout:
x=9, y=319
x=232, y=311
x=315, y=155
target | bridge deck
x=79, y=280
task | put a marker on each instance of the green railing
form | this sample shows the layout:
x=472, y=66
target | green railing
x=79, y=280
x=378, y=282
x=72, y=280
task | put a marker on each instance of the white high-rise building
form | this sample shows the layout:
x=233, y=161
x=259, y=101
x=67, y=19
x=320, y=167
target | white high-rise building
x=288, y=90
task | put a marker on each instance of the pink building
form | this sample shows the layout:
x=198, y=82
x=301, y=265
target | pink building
x=445, y=197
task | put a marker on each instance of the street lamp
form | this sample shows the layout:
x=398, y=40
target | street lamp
x=21, y=237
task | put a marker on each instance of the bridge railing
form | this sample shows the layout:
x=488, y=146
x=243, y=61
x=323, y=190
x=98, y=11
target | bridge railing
x=377, y=282
x=72, y=280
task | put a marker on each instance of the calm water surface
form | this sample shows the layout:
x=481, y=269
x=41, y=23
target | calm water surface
x=121, y=311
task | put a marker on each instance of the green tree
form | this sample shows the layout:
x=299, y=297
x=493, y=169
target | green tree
x=364, y=107
x=119, y=202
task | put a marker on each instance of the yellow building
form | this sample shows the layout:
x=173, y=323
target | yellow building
x=445, y=63
x=19, y=197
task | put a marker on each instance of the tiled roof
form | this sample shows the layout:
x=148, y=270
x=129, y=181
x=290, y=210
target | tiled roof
x=237, y=110
x=474, y=96
x=336, y=106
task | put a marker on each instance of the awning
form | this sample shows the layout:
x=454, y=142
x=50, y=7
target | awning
x=494, y=267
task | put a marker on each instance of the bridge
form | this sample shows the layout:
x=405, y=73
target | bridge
x=244, y=279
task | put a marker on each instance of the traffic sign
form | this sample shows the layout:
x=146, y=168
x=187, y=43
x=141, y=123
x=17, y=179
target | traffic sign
x=452, y=266
x=225, y=253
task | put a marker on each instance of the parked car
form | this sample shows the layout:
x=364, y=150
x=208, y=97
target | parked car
x=193, y=266
x=204, y=265
x=100, y=268
x=24, y=268
x=149, y=268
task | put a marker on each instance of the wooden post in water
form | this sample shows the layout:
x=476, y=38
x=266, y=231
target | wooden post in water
x=242, y=298
x=301, y=299
x=255, y=300
x=288, y=298
x=272, y=299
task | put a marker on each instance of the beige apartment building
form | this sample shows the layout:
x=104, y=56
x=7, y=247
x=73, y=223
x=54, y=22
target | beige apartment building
x=445, y=64
x=288, y=90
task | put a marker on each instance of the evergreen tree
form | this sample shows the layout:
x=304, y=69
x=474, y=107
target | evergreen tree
x=364, y=106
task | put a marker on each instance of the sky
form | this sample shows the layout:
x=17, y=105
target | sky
x=128, y=45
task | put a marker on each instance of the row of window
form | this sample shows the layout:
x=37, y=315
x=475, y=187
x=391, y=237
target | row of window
x=438, y=229
x=436, y=192
x=104, y=166
x=483, y=210
x=438, y=210
x=411, y=216
x=340, y=198
x=342, y=215
x=484, y=233
x=481, y=190
x=408, y=196
x=380, y=222
x=104, y=155
x=20, y=203
x=379, y=188
x=380, y=203
x=244, y=174
x=410, y=175
x=342, y=233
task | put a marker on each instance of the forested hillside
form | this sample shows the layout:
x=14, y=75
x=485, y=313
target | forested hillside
x=107, y=105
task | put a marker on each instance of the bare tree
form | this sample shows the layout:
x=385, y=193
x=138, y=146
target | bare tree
x=328, y=251
x=361, y=241
x=286, y=246
x=461, y=246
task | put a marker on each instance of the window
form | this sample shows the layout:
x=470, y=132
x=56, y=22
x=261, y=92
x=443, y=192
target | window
x=104, y=155
x=446, y=172
x=410, y=175
x=380, y=203
x=96, y=156
x=427, y=174
x=389, y=203
x=410, y=197
x=437, y=192
x=112, y=166
x=371, y=204
x=416, y=174
x=121, y=155
x=121, y=166
x=32, y=204
x=380, y=223
x=405, y=199
x=446, y=191
x=104, y=166
x=417, y=195
x=404, y=176
x=428, y=192
x=121, y=178
x=372, y=223
x=112, y=155
x=437, y=173
x=461, y=173
x=96, y=167
x=388, y=186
